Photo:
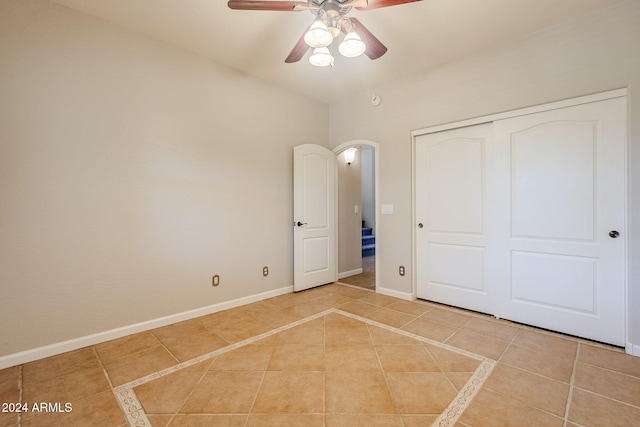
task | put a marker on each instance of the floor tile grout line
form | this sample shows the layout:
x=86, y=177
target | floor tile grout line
x=204, y=373
x=622, y=402
x=137, y=416
x=230, y=347
x=412, y=335
x=129, y=407
x=129, y=401
x=463, y=399
x=571, y=386
x=471, y=388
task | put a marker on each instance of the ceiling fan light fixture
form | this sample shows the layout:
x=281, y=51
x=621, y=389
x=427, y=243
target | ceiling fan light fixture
x=321, y=57
x=352, y=45
x=318, y=35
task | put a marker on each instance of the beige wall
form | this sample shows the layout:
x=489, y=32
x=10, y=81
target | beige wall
x=594, y=53
x=349, y=221
x=130, y=173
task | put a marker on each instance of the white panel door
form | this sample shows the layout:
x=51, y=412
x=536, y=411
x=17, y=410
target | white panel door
x=314, y=214
x=562, y=192
x=453, y=213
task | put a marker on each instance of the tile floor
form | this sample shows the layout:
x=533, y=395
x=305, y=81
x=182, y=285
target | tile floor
x=366, y=279
x=332, y=356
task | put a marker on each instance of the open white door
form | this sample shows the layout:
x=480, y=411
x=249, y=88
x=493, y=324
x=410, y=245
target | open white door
x=315, y=257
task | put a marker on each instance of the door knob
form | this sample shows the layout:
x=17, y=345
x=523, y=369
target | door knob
x=614, y=234
x=300, y=224
x=420, y=225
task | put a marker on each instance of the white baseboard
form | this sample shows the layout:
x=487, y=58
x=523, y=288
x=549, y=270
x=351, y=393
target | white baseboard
x=349, y=273
x=633, y=349
x=393, y=293
x=76, y=343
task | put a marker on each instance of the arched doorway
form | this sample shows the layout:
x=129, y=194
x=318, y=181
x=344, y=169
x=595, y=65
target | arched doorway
x=358, y=224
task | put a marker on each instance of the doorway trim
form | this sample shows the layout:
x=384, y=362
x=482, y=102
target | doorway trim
x=376, y=160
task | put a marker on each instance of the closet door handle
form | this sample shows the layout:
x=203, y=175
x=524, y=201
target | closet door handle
x=614, y=234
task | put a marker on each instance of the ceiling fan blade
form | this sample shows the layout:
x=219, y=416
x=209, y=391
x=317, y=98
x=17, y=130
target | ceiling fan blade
x=375, y=48
x=377, y=4
x=291, y=6
x=298, y=50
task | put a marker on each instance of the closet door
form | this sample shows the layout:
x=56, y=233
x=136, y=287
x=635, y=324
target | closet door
x=562, y=193
x=454, y=211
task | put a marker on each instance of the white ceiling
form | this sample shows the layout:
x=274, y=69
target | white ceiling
x=419, y=35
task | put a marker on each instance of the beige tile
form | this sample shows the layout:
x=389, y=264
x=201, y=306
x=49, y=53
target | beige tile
x=340, y=319
x=159, y=420
x=60, y=364
x=297, y=357
x=614, y=360
x=542, y=393
x=221, y=317
x=406, y=358
x=347, y=334
x=479, y=344
x=208, y=420
x=382, y=336
x=285, y=420
x=346, y=291
x=167, y=394
x=66, y=388
x=450, y=361
x=458, y=379
x=334, y=299
x=310, y=308
x=491, y=327
x=409, y=307
x=357, y=393
x=590, y=409
x=490, y=409
x=9, y=393
x=448, y=317
x=126, y=346
x=377, y=299
x=612, y=384
x=429, y=329
x=420, y=392
x=98, y=410
x=188, y=340
x=308, y=333
x=556, y=365
x=251, y=357
x=351, y=358
x=290, y=393
x=267, y=313
x=359, y=420
x=391, y=318
x=138, y=365
x=224, y=392
x=541, y=341
x=419, y=420
x=236, y=329
x=358, y=308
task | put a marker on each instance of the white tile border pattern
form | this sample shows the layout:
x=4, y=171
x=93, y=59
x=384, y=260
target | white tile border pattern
x=136, y=416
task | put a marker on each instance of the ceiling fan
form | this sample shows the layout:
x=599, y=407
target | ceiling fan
x=330, y=22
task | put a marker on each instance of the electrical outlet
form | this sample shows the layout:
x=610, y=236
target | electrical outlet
x=401, y=270
x=265, y=271
x=215, y=280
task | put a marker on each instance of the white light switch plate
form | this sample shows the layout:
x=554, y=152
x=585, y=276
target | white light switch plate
x=387, y=209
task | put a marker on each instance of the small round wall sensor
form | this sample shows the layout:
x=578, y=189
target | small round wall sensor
x=375, y=100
